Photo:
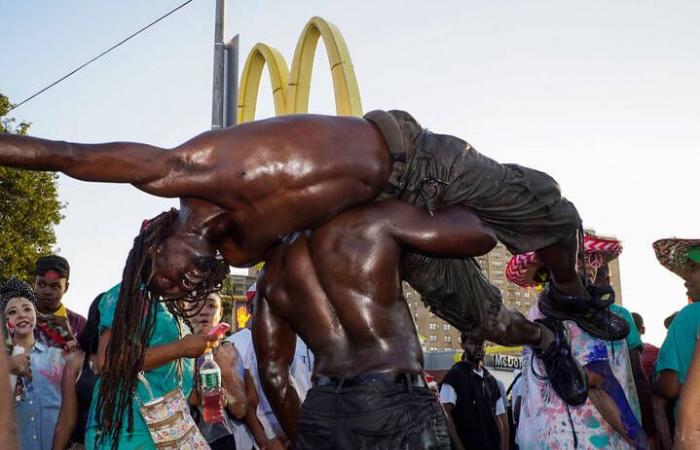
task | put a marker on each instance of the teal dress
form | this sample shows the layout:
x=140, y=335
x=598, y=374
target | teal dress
x=162, y=380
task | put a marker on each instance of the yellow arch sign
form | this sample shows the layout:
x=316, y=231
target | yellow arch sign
x=291, y=89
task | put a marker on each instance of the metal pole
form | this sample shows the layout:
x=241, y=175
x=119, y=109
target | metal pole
x=217, y=104
x=232, y=82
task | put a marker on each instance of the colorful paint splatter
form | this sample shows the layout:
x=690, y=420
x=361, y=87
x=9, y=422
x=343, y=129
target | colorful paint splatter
x=547, y=423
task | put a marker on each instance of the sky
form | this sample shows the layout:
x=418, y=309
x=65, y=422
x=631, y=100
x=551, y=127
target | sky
x=601, y=95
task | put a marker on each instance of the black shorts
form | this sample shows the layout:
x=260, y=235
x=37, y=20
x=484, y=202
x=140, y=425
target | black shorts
x=373, y=415
x=523, y=207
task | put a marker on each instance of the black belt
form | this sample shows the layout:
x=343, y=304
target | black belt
x=405, y=379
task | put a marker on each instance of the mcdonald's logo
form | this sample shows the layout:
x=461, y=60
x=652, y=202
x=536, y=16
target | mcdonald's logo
x=290, y=90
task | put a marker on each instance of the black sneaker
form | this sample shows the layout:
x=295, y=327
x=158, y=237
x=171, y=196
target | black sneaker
x=599, y=323
x=597, y=297
x=563, y=371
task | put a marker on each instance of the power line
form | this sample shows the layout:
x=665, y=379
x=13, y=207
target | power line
x=100, y=55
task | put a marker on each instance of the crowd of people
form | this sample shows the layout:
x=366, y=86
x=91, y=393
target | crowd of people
x=639, y=396
x=56, y=358
x=339, y=232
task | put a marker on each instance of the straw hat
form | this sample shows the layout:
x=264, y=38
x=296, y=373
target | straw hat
x=673, y=254
x=525, y=269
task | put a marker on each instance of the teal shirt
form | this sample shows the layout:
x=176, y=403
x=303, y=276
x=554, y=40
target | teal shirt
x=633, y=339
x=676, y=352
x=162, y=380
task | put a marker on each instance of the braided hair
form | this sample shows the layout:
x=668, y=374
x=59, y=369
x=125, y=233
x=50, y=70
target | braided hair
x=134, y=321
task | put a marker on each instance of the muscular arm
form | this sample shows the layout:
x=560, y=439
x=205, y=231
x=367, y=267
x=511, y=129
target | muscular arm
x=452, y=232
x=149, y=168
x=274, y=343
x=68, y=414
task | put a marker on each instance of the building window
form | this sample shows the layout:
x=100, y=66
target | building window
x=431, y=315
x=517, y=293
x=497, y=254
x=498, y=282
x=446, y=327
x=526, y=294
x=433, y=338
x=448, y=338
x=497, y=263
x=433, y=349
x=432, y=326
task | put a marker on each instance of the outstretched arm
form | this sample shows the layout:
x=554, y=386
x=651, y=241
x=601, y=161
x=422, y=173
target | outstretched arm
x=274, y=343
x=145, y=166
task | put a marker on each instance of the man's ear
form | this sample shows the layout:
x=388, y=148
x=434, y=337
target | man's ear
x=67, y=286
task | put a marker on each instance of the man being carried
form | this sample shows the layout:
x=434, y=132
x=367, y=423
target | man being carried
x=339, y=288
x=244, y=189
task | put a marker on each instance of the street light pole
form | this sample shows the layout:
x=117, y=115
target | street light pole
x=217, y=105
x=231, y=82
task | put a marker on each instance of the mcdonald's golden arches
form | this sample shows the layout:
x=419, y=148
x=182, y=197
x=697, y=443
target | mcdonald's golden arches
x=290, y=90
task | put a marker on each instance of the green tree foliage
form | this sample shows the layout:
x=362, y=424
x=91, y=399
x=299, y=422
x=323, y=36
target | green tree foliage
x=29, y=210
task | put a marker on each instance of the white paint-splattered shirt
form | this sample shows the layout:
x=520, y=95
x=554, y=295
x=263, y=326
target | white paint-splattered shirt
x=544, y=422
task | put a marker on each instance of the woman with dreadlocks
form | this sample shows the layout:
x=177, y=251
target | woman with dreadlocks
x=139, y=331
x=38, y=396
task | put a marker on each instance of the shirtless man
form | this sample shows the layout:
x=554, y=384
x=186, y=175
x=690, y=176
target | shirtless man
x=244, y=188
x=339, y=288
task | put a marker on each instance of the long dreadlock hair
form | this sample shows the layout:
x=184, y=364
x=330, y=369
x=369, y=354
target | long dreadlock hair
x=134, y=321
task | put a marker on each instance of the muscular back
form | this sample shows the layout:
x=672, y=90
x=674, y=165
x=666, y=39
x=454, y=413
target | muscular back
x=288, y=174
x=271, y=177
x=339, y=288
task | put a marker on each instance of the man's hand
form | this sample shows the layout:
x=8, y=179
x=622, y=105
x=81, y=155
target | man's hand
x=19, y=365
x=194, y=345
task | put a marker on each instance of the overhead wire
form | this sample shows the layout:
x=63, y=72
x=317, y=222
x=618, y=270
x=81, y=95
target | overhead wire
x=123, y=41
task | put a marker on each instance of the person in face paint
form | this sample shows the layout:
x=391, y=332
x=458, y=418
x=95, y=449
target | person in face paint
x=472, y=400
x=38, y=401
x=57, y=324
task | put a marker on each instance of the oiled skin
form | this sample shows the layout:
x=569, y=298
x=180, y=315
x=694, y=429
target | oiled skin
x=255, y=182
x=244, y=188
x=339, y=289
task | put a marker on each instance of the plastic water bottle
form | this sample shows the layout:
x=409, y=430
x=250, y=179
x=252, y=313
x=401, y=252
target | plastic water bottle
x=210, y=389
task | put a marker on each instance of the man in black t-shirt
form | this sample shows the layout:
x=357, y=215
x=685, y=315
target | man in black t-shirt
x=472, y=400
